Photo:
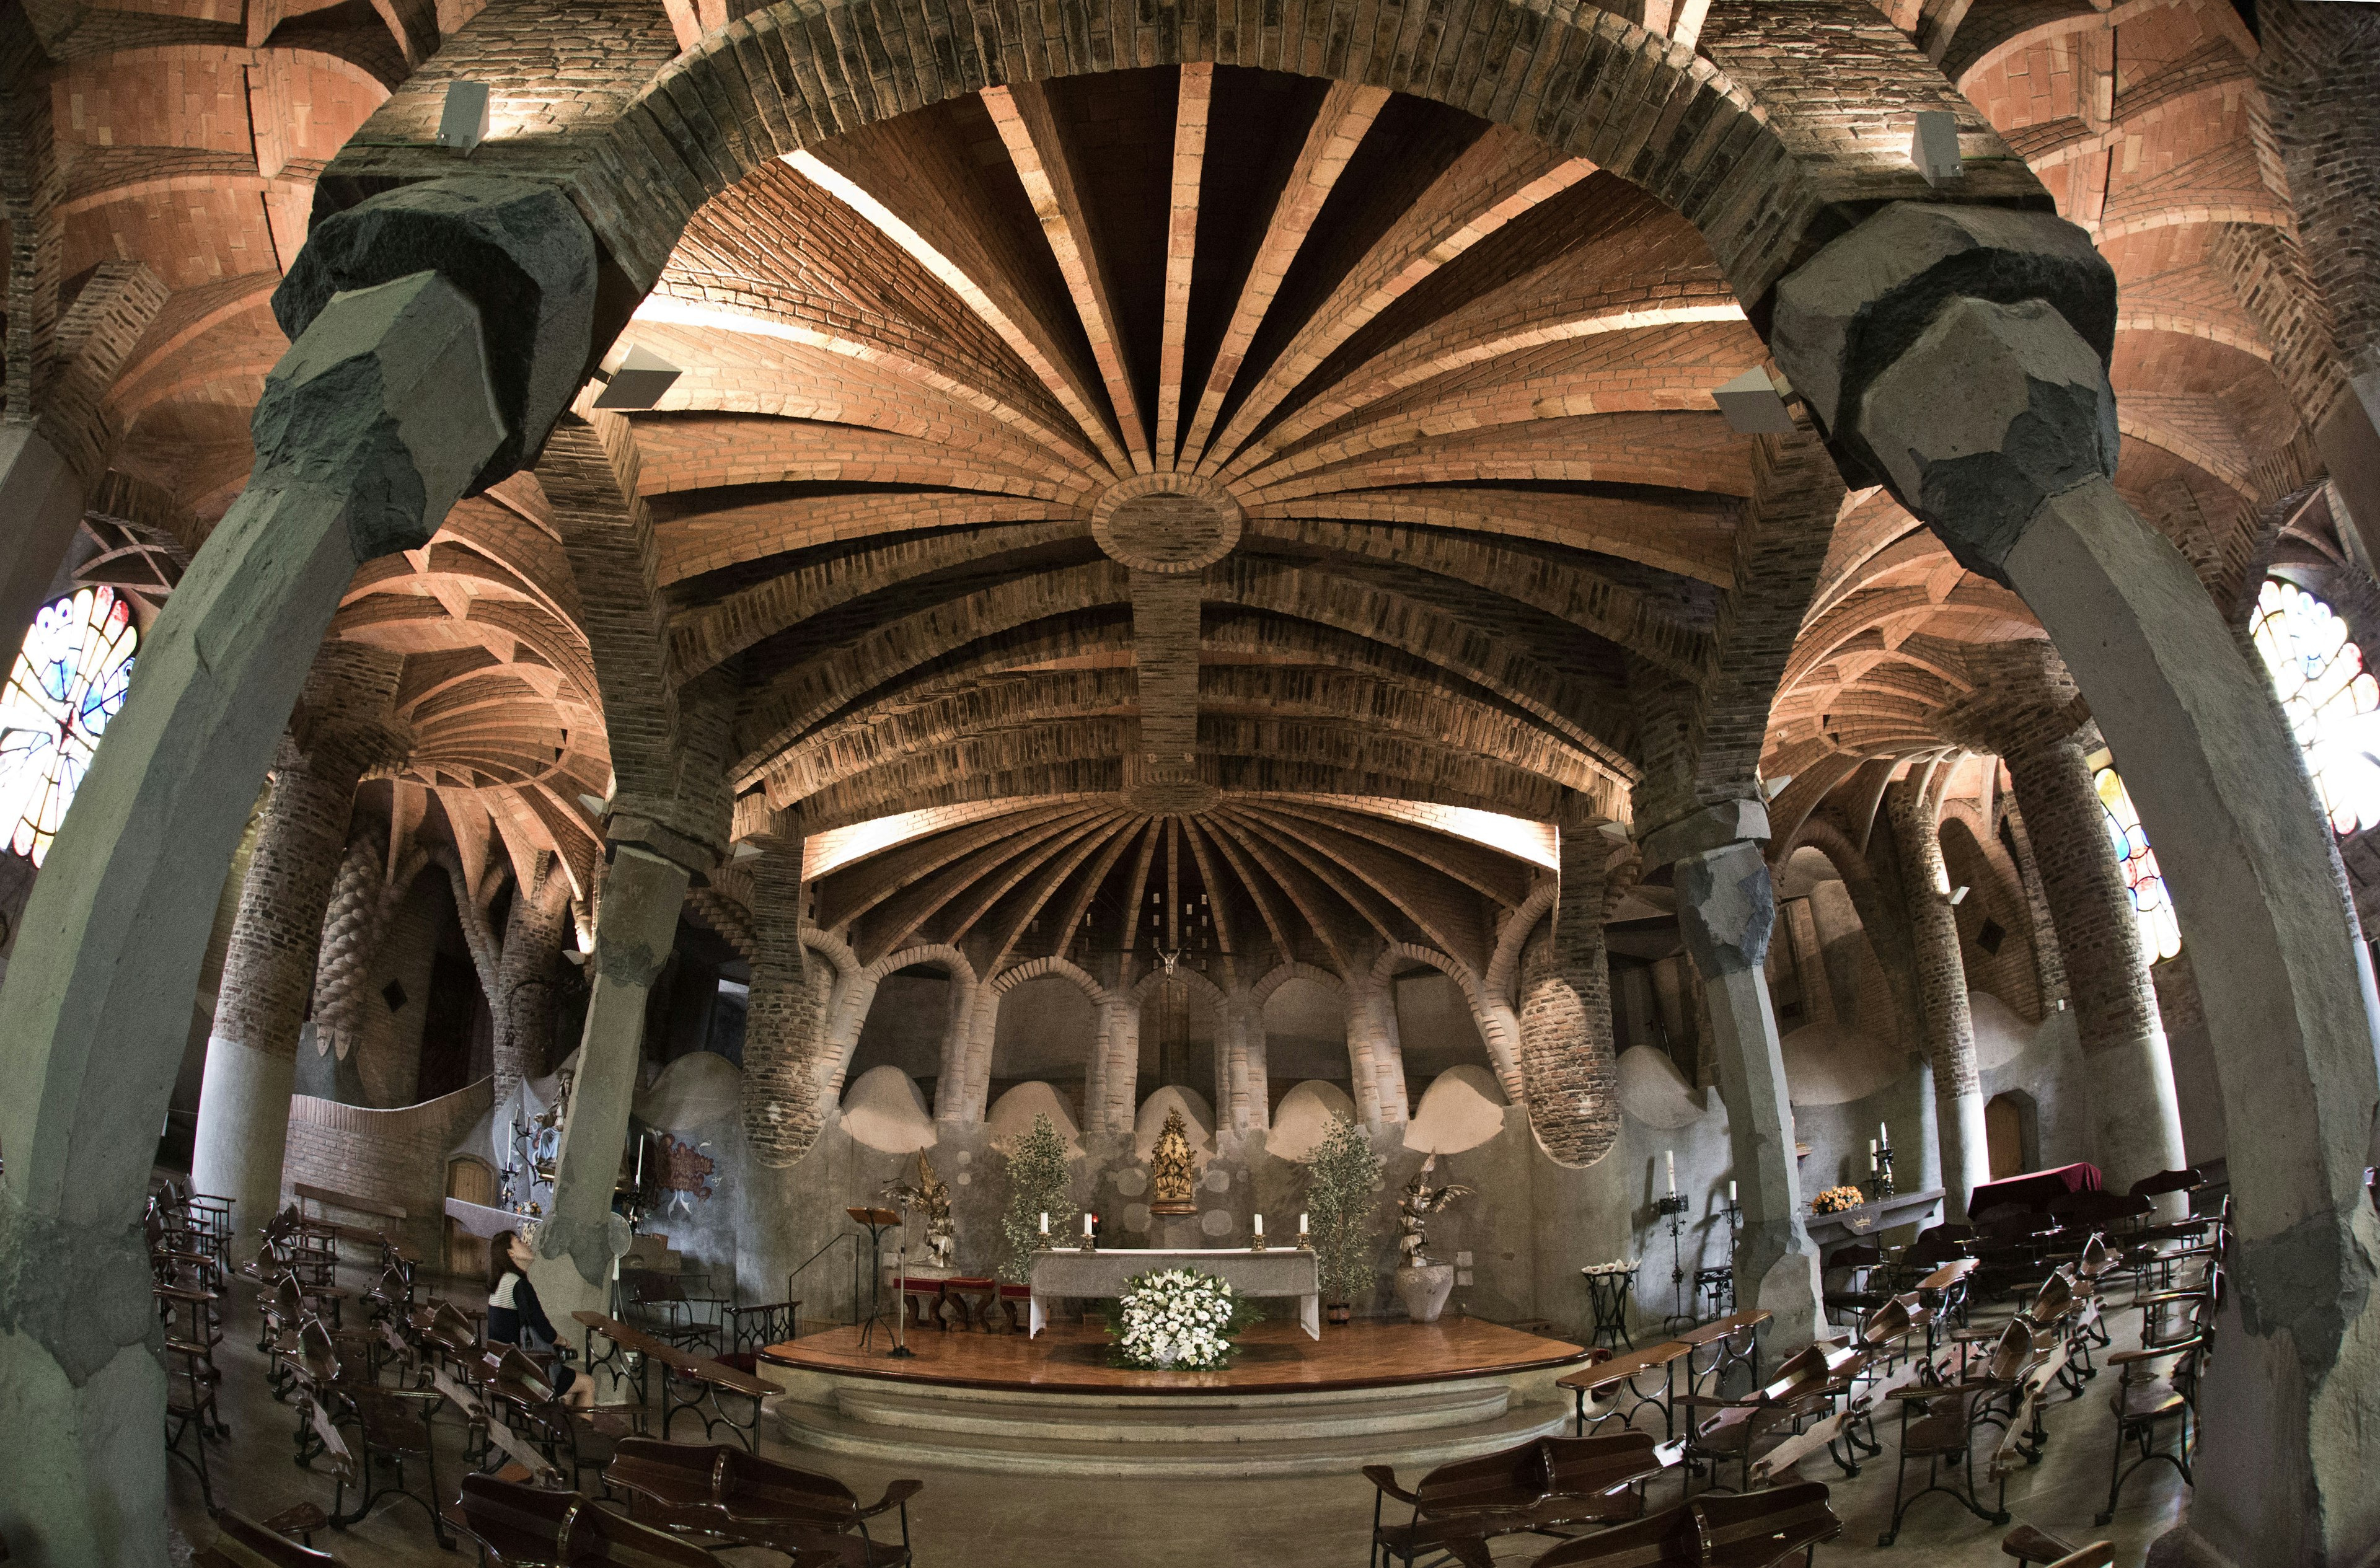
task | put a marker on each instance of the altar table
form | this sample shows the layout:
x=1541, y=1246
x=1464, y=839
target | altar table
x=1280, y=1272
x=2034, y=1189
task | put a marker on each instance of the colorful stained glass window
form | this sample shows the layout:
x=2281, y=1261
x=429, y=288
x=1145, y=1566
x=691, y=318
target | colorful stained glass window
x=2160, y=935
x=2332, y=702
x=69, y=681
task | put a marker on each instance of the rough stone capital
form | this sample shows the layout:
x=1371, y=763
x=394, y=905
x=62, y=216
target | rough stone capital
x=1713, y=827
x=1727, y=908
x=81, y=1296
x=384, y=398
x=515, y=247
x=696, y=856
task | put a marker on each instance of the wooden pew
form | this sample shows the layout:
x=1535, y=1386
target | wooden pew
x=1545, y=1486
x=1750, y=1530
x=757, y=1502
x=689, y=1383
x=1617, y=1377
x=1733, y=1339
x=243, y=1543
x=518, y=1526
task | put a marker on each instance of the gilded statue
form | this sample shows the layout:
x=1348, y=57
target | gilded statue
x=1172, y=1177
x=1414, y=1209
x=929, y=1198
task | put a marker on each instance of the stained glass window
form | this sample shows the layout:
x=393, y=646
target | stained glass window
x=2332, y=702
x=2159, y=932
x=69, y=681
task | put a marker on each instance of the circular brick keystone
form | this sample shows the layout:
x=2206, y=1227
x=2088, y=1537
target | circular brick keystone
x=1167, y=522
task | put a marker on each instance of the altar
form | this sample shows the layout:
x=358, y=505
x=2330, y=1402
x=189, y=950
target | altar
x=1272, y=1274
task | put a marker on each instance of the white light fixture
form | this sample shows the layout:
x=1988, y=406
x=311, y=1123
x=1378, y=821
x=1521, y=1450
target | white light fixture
x=1957, y=894
x=1934, y=147
x=463, y=123
x=634, y=378
x=1753, y=407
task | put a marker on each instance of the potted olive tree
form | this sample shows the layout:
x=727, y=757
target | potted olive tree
x=1037, y=1187
x=1342, y=1176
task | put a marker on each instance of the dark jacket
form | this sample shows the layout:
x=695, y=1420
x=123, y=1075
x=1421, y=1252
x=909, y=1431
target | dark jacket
x=512, y=1306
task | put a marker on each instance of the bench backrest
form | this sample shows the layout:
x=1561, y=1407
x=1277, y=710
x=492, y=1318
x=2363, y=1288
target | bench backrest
x=243, y=1543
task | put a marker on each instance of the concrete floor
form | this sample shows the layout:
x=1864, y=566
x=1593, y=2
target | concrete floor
x=993, y=1521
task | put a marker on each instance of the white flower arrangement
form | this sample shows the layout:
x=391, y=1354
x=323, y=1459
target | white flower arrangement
x=1178, y=1319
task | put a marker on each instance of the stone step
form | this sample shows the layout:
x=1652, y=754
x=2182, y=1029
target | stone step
x=1183, y=1419
x=1371, y=1438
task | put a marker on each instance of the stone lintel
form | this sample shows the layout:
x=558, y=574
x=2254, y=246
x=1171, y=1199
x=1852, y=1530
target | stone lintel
x=696, y=857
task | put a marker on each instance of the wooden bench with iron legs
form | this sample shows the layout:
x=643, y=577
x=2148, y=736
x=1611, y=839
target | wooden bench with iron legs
x=1614, y=1378
x=520, y=1527
x=1759, y=1529
x=1731, y=1341
x=755, y=1500
x=689, y=1383
x=1547, y=1485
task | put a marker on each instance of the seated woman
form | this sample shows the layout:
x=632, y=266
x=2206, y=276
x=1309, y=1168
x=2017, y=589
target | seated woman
x=516, y=1318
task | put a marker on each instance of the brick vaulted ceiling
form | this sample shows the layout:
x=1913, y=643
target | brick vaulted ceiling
x=1169, y=439
x=1188, y=428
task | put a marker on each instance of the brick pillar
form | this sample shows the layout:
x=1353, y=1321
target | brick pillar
x=526, y=993
x=785, y=1103
x=2048, y=963
x=2027, y=711
x=1569, y=1072
x=267, y=978
x=1913, y=807
x=1726, y=911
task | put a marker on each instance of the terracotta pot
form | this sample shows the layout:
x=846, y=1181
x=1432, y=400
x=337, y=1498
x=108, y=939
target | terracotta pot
x=1338, y=1312
x=1424, y=1290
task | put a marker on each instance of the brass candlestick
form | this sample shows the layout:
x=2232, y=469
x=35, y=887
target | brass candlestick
x=1305, y=1242
x=1256, y=1243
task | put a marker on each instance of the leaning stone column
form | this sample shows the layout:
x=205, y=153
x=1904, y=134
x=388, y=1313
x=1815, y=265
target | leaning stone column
x=1569, y=1072
x=523, y=1006
x=1727, y=910
x=633, y=932
x=2030, y=720
x=1913, y=807
x=387, y=405
x=1959, y=355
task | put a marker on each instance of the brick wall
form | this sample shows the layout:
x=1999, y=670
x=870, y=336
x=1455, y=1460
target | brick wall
x=395, y=1157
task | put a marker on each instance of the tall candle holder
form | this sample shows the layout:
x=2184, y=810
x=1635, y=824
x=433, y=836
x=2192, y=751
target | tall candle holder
x=1675, y=1207
x=1883, y=1169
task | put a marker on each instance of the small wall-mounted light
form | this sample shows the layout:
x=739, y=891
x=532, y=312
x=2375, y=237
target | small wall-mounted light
x=464, y=124
x=1957, y=894
x=1934, y=147
x=634, y=378
x=1753, y=405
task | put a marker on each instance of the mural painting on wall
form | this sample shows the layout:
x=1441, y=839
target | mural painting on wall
x=685, y=1172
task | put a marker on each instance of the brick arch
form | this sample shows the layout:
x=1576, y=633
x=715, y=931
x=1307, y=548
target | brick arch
x=1502, y=978
x=1261, y=992
x=1052, y=968
x=950, y=960
x=1499, y=1028
x=1197, y=981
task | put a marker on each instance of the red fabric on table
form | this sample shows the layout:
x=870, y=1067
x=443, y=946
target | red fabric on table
x=2034, y=1189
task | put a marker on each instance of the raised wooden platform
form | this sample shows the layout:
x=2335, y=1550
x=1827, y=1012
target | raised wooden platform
x=1274, y=1358
x=1411, y=1394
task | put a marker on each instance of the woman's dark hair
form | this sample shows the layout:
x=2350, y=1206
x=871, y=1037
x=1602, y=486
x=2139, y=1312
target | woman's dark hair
x=500, y=1257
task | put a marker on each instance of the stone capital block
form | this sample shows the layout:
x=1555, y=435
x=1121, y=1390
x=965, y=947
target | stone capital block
x=1713, y=827
x=515, y=247
x=1727, y=908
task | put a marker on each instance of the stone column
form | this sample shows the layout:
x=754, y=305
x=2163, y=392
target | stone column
x=382, y=413
x=1570, y=1074
x=635, y=930
x=1727, y=910
x=2030, y=720
x=1912, y=808
x=524, y=993
x=1959, y=355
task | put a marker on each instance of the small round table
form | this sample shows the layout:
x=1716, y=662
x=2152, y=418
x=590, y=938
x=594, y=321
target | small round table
x=1608, y=1286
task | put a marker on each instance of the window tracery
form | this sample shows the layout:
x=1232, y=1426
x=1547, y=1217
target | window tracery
x=69, y=681
x=2332, y=702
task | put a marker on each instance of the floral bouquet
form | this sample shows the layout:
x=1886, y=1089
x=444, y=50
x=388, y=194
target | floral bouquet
x=1178, y=1319
x=1834, y=1200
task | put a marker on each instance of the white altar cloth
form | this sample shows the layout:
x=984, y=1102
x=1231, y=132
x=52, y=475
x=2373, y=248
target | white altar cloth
x=1276, y=1273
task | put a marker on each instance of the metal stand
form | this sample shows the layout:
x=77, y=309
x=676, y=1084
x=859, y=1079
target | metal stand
x=1674, y=1207
x=1720, y=1283
x=878, y=1221
x=901, y=1351
x=1607, y=1292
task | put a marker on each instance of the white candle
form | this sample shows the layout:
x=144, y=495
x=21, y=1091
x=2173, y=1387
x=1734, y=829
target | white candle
x=1730, y=1192
x=1884, y=1135
x=1870, y=1148
x=1259, y=1224
x=1873, y=1165
x=1086, y=1224
x=1673, y=1171
x=1301, y=1222
x=640, y=1163
x=1045, y=1224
